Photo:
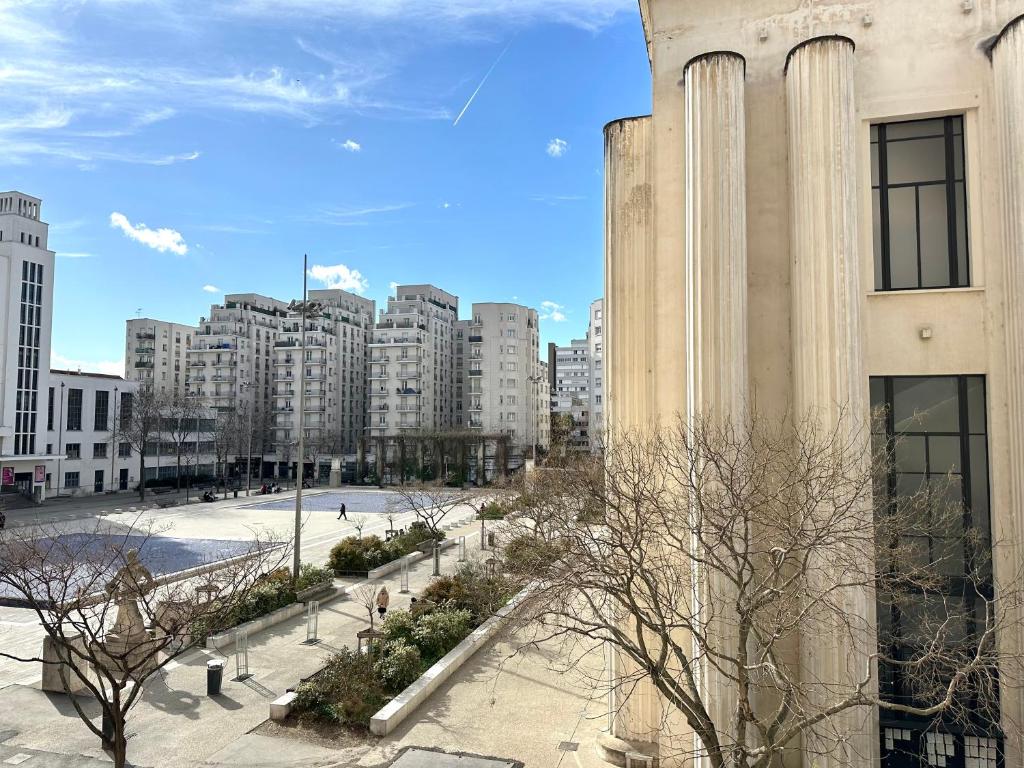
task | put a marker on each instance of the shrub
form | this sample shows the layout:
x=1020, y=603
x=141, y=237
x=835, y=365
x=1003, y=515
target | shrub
x=527, y=555
x=438, y=632
x=493, y=511
x=398, y=665
x=311, y=575
x=266, y=596
x=399, y=625
x=446, y=589
x=346, y=691
x=473, y=589
x=350, y=554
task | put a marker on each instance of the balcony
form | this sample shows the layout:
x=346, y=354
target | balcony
x=475, y=372
x=196, y=363
x=475, y=407
x=380, y=408
x=283, y=376
x=284, y=393
x=410, y=375
x=222, y=377
x=383, y=359
x=408, y=391
x=313, y=408
x=286, y=361
x=315, y=377
x=379, y=376
x=145, y=350
x=475, y=339
x=410, y=358
x=146, y=335
x=143, y=363
x=287, y=343
x=407, y=408
x=409, y=426
x=475, y=424
x=397, y=341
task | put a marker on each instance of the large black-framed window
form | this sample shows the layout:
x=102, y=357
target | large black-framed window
x=933, y=430
x=919, y=201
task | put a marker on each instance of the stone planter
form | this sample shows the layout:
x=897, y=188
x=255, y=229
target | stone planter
x=310, y=593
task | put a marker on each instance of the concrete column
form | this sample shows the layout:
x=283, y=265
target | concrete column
x=628, y=274
x=630, y=398
x=716, y=295
x=829, y=384
x=1008, y=71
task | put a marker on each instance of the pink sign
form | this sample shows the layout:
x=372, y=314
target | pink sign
x=40, y=473
x=8, y=476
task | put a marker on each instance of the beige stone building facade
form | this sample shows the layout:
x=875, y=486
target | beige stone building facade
x=155, y=353
x=825, y=211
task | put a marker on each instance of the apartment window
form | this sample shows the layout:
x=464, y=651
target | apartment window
x=933, y=428
x=73, y=450
x=102, y=411
x=70, y=479
x=49, y=411
x=99, y=450
x=124, y=450
x=74, y=410
x=126, y=408
x=920, y=204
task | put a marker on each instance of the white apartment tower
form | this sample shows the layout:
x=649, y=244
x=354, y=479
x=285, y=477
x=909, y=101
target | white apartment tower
x=412, y=363
x=335, y=374
x=231, y=358
x=155, y=354
x=26, y=314
x=502, y=378
x=570, y=395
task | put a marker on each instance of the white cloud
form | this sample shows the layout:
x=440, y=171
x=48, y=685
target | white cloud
x=339, y=276
x=351, y=146
x=557, y=147
x=211, y=288
x=550, y=310
x=557, y=199
x=74, y=255
x=352, y=217
x=162, y=239
x=392, y=286
x=112, y=367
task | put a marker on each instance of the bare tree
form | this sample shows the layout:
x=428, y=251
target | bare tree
x=225, y=435
x=366, y=596
x=108, y=619
x=139, y=424
x=359, y=522
x=432, y=503
x=180, y=414
x=723, y=551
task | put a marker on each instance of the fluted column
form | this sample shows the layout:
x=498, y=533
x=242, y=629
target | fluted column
x=628, y=274
x=716, y=296
x=1008, y=72
x=629, y=362
x=829, y=385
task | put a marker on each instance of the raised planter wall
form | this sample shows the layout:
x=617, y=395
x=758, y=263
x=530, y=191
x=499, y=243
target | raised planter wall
x=227, y=637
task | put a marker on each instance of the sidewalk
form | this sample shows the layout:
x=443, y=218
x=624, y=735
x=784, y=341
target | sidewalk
x=175, y=725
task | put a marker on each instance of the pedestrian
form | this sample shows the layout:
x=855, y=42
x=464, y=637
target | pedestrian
x=383, y=598
x=342, y=513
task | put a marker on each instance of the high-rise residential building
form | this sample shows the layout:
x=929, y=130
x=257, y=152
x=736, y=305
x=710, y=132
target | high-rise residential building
x=501, y=373
x=155, y=354
x=826, y=209
x=595, y=336
x=26, y=315
x=570, y=396
x=335, y=371
x=412, y=363
x=230, y=362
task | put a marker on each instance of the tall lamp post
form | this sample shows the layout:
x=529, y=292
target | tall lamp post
x=307, y=309
x=244, y=386
x=113, y=440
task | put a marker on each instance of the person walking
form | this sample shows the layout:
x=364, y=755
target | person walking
x=383, y=599
x=342, y=514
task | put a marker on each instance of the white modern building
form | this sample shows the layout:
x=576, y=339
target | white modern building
x=501, y=374
x=155, y=354
x=82, y=418
x=570, y=392
x=334, y=368
x=412, y=363
x=26, y=315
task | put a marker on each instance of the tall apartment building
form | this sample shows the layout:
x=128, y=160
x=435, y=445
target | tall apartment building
x=335, y=402
x=595, y=337
x=155, y=353
x=570, y=395
x=860, y=167
x=230, y=362
x=412, y=363
x=26, y=316
x=501, y=373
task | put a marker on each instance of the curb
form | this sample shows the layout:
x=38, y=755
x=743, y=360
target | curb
x=413, y=557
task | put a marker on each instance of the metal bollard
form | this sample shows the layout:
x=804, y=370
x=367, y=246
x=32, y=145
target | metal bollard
x=405, y=577
x=462, y=549
x=214, y=676
x=242, y=655
x=312, y=620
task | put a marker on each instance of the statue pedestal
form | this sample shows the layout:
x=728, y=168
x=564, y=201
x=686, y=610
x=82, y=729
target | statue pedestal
x=131, y=652
x=56, y=656
x=613, y=750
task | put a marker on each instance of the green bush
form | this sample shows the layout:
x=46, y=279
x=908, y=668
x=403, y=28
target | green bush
x=399, y=625
x=493, y=511
x=311, y=575
x=529, y=556
x=369, y=552
x=346, y=691
x=266, y=596
x=439, y=631
x=473, y=589
x=398, y=665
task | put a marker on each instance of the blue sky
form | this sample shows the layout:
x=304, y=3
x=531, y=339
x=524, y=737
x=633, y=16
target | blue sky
x=188, y=149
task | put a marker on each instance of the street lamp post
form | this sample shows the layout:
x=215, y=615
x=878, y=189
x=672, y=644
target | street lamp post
x=113, y=440
x=306, y=309
x=246, y=385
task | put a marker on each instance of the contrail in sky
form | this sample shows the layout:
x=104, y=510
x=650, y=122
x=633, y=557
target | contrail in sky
x=496, y=61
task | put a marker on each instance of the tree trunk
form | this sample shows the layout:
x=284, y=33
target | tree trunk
x=120, y=746
x=142, y=475
x=179, y=468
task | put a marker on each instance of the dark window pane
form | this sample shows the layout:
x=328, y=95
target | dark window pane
x=934, y=236
x=876, y=221
x=876, y=386
x=979, y=482
x=958, y=157
x=943, y=453
x=903, y=238
x=874, y=133
x=958, y=124
x=926, y=404
x=910, y=454
x=910, y=162
x=976, y=404
x=874, y=165
x=961, y=234
x=914, y=128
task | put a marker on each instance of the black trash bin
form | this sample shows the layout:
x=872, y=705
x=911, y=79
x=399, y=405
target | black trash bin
x=236, y=493
x=214, y=676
